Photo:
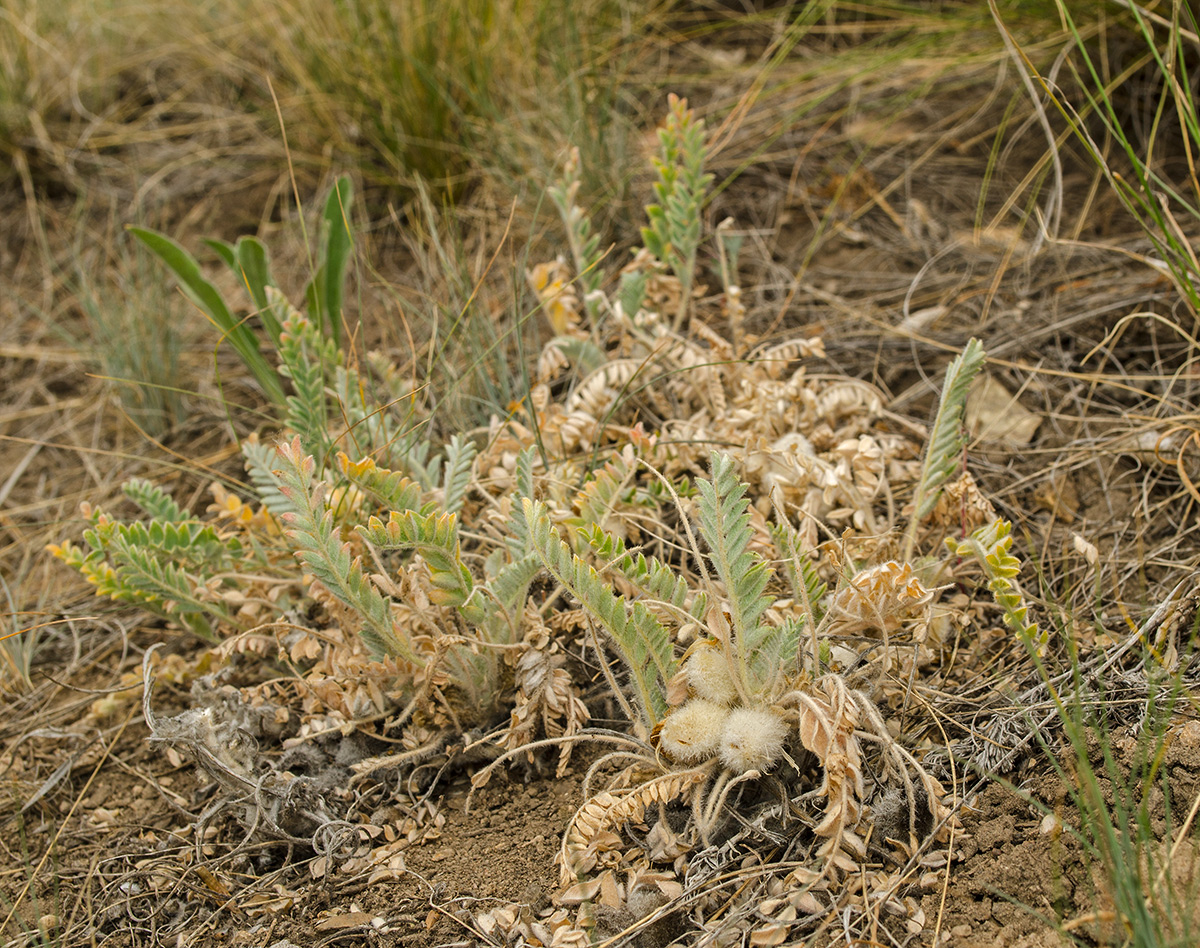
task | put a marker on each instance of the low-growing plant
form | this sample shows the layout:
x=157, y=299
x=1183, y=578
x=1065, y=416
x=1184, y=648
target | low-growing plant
x=234, y=574
x=748, y=706
x=742, y=706
x=326, y=498
x=398, y=579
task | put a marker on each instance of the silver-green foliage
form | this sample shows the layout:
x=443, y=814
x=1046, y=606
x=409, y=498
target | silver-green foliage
x=947, y=441
x=640, y=639
x=307, y=359
x=585, y=245
x=762, y=653
x=154, y=501
x=393, y=490
x=650, y=576
x=261, y=463
x=491, y=607
x=460, y=454
x=601, y=494
x=674, y=230
x=725, y=525
x=320, y=547
x=800, y=570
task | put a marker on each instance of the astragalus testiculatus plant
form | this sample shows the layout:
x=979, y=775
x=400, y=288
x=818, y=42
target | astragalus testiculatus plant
x=760, y=611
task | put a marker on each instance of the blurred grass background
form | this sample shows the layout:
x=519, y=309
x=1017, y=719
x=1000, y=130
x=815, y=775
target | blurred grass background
x=217, y=118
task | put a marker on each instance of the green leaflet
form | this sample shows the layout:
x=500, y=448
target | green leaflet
x=585, y=245
x=631, y=291
x=307, y=359
x=599, y=496
x=725, y=526
x=156, y=502
x=435, y=537
x=460, y=455
x=991, y=545
x=391, y=489
x=190, y=542
x=640, y=639
x=121, y=570
x=947, y=442
x=261, y=461
x=510, y=583
x=653, y=578
x=776, y=651
x=673, y=234
x=154, y=579
x=517, y=540
x=799, y=570
x=321, y=549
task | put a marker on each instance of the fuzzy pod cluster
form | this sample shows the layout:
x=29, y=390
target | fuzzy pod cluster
x=712, y=723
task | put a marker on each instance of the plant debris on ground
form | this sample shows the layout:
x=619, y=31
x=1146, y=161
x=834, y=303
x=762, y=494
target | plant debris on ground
x=803, y=552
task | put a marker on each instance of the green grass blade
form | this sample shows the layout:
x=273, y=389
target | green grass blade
x=201, y=292
x=224, y=250
x=248, y=259
x=325, y=293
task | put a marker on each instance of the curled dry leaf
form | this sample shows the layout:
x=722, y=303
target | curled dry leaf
x=880, y=600
x=828, y=720
x=546, y=696
x=962, y=506
x=608, y=809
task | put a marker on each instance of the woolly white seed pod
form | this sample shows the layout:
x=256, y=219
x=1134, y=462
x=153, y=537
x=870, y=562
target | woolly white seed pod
x=708, y=675
x=692, y=733
x=752, y=739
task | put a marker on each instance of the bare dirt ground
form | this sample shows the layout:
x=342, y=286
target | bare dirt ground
x=110, y=840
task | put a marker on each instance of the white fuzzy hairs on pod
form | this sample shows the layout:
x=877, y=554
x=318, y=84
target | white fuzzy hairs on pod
x=708, y=675
x=692, y=733
x=752, y=739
